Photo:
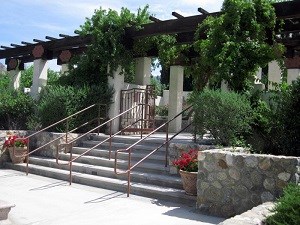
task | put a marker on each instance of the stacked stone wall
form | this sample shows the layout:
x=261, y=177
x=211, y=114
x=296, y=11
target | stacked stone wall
x=231, y=183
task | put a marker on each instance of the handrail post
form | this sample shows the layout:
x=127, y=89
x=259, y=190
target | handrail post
x=70, y=175
x=129, y=173
x=142, y=121
x=27, y=157
x=167, y=144
x=110, y=124
x=67, y=130
x=99, y=119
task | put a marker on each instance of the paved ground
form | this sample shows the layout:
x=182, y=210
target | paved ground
x=41, y=200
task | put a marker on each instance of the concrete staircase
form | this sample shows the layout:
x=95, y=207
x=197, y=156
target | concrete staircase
x=149, y=179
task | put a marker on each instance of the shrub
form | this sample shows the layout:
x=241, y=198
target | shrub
x=278, y=124
x=15, y=109
x=58, y=102
x=226, y=115
x=287, y=208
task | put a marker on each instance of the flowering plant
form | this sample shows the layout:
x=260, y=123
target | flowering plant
x=187, y=161
x=12, y=141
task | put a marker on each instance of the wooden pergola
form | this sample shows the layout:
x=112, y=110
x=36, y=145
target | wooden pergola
x=65, y=47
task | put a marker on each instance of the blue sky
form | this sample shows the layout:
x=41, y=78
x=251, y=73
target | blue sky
x=24, y=20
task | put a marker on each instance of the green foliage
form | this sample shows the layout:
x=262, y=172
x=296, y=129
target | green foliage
x=58, y=102
x=15, y=109
x=237, y=42
x=226, y=115
x=108, y=49
x=287, y=208
x=158, y=86
x=4, y=81
x=27, y=77
x=161, y=110
x=277, y=124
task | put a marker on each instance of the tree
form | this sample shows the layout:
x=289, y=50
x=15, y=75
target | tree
x=238, y=41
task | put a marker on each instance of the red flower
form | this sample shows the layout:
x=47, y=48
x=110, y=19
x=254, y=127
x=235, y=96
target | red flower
x=187, y=161
x=15, y=140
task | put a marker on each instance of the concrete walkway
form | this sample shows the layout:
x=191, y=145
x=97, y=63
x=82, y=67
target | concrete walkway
x=41, y=200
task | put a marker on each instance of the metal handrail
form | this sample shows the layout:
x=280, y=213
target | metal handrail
x=56, y=123
x=128, y=149
x=70, y=144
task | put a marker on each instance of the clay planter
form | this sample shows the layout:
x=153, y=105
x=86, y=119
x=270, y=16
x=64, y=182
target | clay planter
x=19, y=151
x=189, y=181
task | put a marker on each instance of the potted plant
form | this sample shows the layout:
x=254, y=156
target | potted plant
x=17, y=147
x=187, y=164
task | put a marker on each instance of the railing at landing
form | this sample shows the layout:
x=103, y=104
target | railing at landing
x=66, y=120
x=166, y=143
x=69, y=145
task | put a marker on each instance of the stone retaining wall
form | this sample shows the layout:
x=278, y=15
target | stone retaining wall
x=255, y=216
x=231, y=183
x=39, y=140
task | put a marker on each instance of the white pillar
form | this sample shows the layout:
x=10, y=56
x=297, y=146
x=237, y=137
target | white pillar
x=224, y=86
x=117, y=82
x=292, y=74
x=143, y=71
x=258, y=76
x=175, y=97
x=40, y=71
x=274, y=74
x=15, y=78
x=64, y=68
x=258, y=85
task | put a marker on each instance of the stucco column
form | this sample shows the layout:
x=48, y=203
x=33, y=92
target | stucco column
x=274, y=74
x=175, y=97
x=143, y=71
x=224, y=86
x=117, y=82
x=292, y=74
x=15, y=75
x=64, y=68
x=40, y=69
x=258, y=85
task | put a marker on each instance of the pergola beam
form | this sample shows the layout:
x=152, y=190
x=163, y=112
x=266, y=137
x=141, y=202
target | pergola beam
x=37, y=40
x=15, y=45
x=25, y=43
x=64, y=35
x=51, y=38
x=154, y=19
x=177, y=15
x=203, y=11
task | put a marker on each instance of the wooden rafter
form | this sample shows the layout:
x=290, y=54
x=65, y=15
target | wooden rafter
x=177, y=15
x=203, y=11
x=184, y=27
x=51, y=38
x=154, y=19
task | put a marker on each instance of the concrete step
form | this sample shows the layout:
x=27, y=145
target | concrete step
x=100, y=161
x=135, y=155
x=147, y=190
x=136, y=176
x=145, y=148
x=155, y=139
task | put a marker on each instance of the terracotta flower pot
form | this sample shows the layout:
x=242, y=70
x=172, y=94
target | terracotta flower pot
x=189, y=181
x=19, y=151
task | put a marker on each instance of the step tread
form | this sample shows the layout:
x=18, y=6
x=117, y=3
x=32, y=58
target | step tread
x=120, y=145
x=136, y=188
x=150, y=165
x=110, y=169
x=135, y=154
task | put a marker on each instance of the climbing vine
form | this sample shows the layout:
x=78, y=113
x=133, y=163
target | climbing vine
x=238, y=41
